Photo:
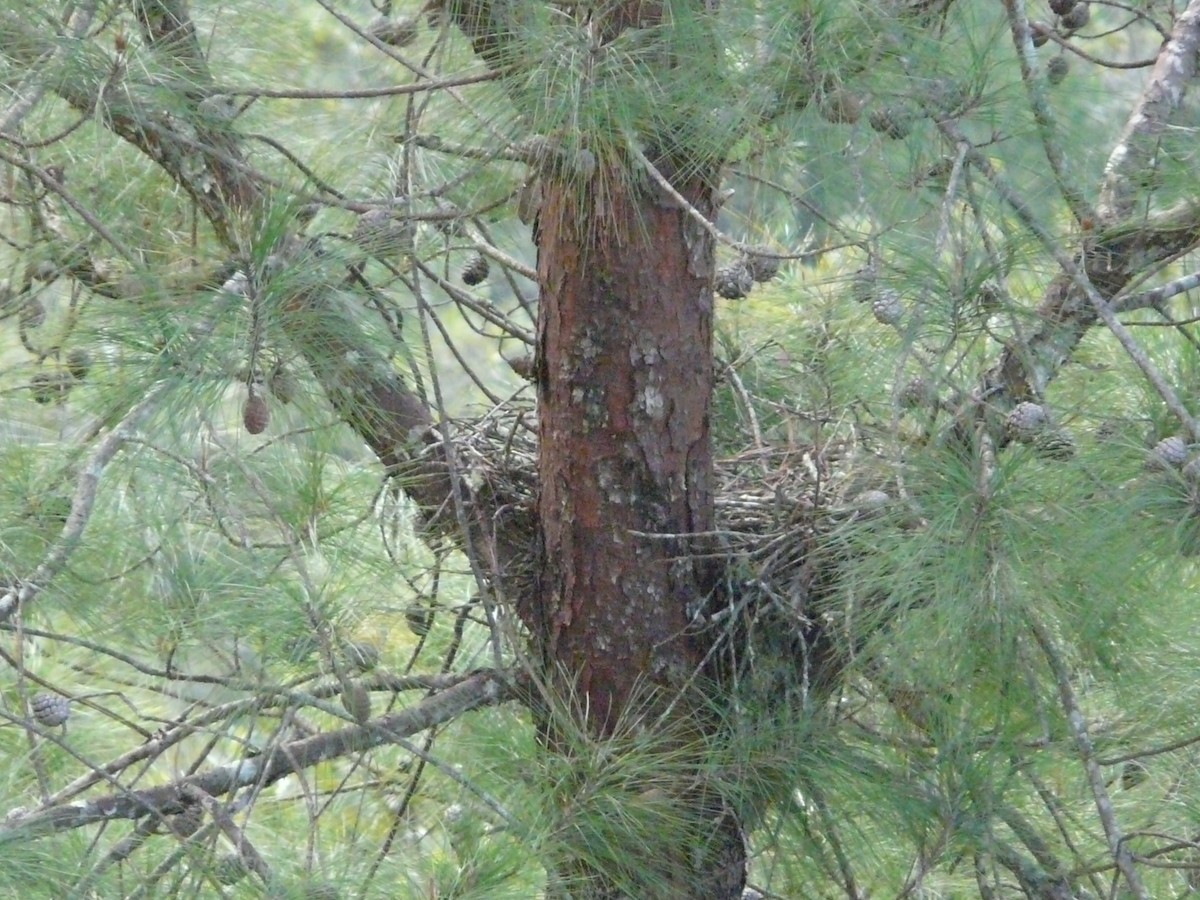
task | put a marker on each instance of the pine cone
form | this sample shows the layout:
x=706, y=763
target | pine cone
x=49, y=387
x=840, y=106
x=419, y=619
x=1026, y=421
x=1169, y=453
x=1192, y=470
x=1057, y=69
x=50, y=709
x=46, y=270
x=79, y=363
x=888, y=308
x=1057, y=445
x=1133, y=773
x=762, y=268
x=1041, y=33
x=394, y=32
x=188, y=822
x=256, y=415
x=522, y=365
x=917, y=393
x=891, y=121
x=357, y=701
x=1061, y=7
x=229, y=869
x=282, y=384
x=381, y=234
x=476, y=270
x=1078, y=16
x=989, y=296
x=361, y=655
x=33, y=313
x=733, y=282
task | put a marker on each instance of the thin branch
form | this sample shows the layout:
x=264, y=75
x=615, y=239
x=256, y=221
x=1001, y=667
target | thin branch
x=1157, y=296
x=1087, y=755
x=399, y=90
x=22, y=594
x=1175, y=68
x=485, y=688
x=25, y=103
x=1043, y=116
x=698, y=217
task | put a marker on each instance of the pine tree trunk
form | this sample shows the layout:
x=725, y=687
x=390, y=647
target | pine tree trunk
x=625, y=379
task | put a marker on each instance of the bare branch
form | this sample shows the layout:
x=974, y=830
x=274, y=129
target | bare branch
x=30, y=93
x=485, y=688
x=22, y=594
x=1087, y=755
x=1176, y=67
x=1042, y=113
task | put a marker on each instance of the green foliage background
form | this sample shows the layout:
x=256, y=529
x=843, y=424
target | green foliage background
x=220, y=567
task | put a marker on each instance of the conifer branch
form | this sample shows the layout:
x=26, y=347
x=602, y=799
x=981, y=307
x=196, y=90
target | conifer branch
x=485, y=688
x=1133, y=153
x=23, y=593
x=1083, y=744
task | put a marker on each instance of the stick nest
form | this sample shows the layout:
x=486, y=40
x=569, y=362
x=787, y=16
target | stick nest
x=778, y=513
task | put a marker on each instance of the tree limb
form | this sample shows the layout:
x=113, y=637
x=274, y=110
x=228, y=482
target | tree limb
x=1175, y=68
x=485, y=688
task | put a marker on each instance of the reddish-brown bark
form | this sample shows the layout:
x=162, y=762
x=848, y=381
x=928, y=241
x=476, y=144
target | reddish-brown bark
x=624, y=385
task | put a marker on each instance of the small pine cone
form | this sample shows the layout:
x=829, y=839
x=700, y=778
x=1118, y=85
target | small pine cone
x=521, y=365
x=256, y=415
x=50, y=709
x=733, y=282
x=307, y=213
x=229, y=869
x=1057, y=444
x=916, y=394
x=1061, y=7
x=1133, y=773
x=989, y=296
x=1078, y=16
x=1169, y=453
x=1041, y=33
x=79, y=363
x=863, y=285
x=476, y=270
x=888, y=308
x=840, y=106
x=357, y=701
x=237, y=284
x=282, y=384
x=762, y=268
x=381, y=234
x=46, y=270
x=1192, y=471
x=450, y=219
x=872, y=500
x=1026, y=421
x=361, y=655
x=188, y=822
x=49, y=387
x=1057, y=69
x=33, y=314
x=394, y=32
x=419, y=619
x=890, y=121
